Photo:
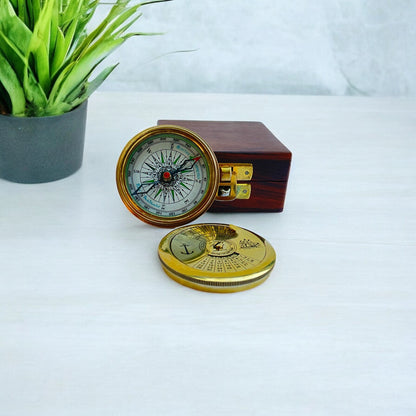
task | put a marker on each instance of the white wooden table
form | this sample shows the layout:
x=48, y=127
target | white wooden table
x=91, y=325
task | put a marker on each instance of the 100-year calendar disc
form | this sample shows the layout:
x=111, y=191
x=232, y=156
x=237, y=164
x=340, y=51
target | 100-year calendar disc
x=216, y=257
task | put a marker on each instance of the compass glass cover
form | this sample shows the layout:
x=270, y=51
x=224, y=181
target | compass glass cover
x=167, y=176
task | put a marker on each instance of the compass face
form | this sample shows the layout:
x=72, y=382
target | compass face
x=167, y=176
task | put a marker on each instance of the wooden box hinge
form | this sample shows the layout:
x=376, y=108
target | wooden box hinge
x=233, y=181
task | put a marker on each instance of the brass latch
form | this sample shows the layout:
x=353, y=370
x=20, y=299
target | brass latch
x=233, y=181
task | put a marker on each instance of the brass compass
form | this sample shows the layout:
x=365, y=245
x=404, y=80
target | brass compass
x=216, y=257
x=168, y=176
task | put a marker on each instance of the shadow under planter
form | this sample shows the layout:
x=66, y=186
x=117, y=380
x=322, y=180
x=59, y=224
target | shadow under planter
x=42, y=149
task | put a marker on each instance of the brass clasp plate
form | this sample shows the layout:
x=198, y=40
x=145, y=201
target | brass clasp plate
x=233, y=181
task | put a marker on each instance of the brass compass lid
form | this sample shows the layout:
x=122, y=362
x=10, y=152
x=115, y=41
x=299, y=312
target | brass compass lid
x=216, y=257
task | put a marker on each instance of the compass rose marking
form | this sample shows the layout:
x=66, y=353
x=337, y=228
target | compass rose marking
x=166, y=173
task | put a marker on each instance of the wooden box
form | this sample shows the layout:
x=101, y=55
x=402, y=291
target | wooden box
x=247, y=142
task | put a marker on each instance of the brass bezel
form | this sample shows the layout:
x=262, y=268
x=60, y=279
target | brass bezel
x=147, y=217
x=215, y=281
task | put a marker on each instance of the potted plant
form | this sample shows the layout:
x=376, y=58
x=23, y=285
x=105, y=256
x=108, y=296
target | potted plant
x=48, y=65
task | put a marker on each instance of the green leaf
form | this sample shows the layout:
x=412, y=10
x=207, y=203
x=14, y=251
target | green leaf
x=54, y=26
x=22, y=11
x=35, y=96
x=14, y=38
x=79, y=10
x=53, y=95
x=35, y=11
x=69, y=37
x=81, y=69
x=59, y=53
x=33, y=91
x=14, y=55
x=78, y=96
x=39, y=44
x=11, y=84
x=115, y=11
x=119, y=21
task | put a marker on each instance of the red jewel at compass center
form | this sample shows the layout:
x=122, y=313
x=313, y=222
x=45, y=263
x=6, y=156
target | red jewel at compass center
x=166, y=176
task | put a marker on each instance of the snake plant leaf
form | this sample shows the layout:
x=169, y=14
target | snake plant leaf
x=39, y=44
x=75, y=17
x=84, y=16
x=14, y=37
x=53, y=95
x=35, y=9
x=54, y=26
x=33, y=91
x=64, y=42
x=11, y=84
x=42, y=66
x=70, y=13
x=59, y=53
x=80, y=94
x=80, y=71
x=36, y=99
x=22, y=11
x=72, y=22
x=13, y=54
x=115, y=11
x=121, y=19
x=85, y=90
x=80, y=10
x=27, y=11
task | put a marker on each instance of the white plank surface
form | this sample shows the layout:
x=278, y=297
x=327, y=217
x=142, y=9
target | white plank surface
x=90, y=324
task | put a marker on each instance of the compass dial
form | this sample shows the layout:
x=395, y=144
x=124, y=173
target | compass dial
x=167, y=176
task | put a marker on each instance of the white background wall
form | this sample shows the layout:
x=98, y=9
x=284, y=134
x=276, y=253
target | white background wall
x=364, y=47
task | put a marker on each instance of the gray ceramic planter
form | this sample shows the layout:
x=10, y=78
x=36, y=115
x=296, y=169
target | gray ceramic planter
x=42, y=149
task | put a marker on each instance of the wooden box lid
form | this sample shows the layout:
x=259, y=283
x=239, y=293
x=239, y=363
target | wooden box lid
x=243, y=142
